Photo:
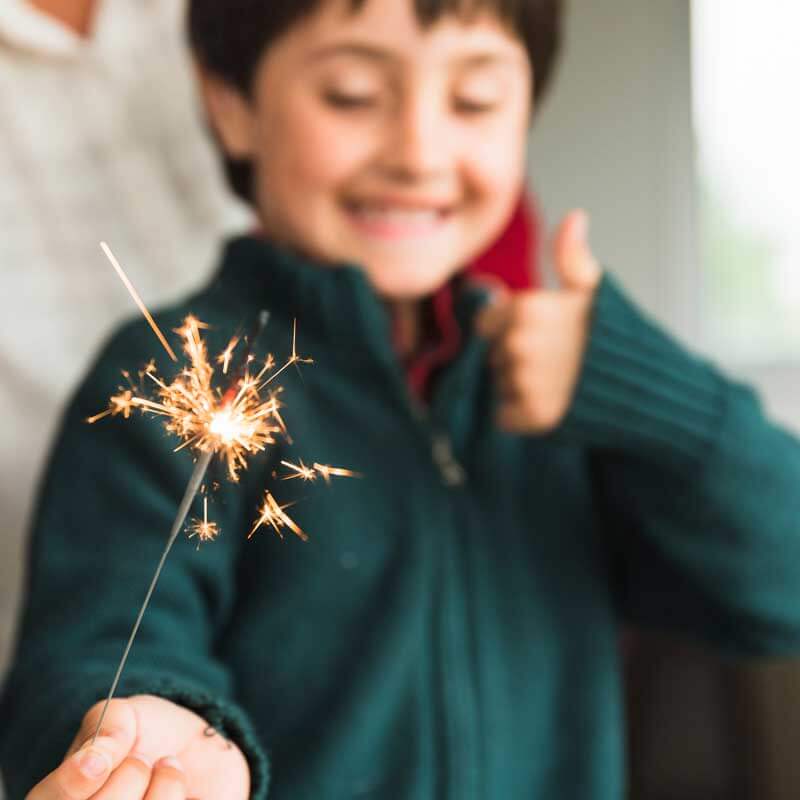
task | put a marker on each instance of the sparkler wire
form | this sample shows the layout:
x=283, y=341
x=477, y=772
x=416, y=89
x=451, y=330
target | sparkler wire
x=204, y=459
x=136, y=299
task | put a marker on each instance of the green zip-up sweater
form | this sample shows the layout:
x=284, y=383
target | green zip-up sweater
x=450, y=630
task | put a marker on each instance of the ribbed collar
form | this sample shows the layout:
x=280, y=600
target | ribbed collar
x=333, y=303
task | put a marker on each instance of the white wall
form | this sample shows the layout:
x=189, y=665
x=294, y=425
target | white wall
x=615, y=137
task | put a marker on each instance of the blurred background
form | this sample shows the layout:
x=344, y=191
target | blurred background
x=673, y=122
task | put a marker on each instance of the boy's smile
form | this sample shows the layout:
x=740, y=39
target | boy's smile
x=378, y=142
x=392, y=217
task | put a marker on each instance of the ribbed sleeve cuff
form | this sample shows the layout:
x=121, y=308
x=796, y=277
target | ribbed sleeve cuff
x=226, y=717
x=640, y=391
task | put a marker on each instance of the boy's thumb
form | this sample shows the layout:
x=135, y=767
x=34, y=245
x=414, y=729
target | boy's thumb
x=575, y=264
x=115, y=737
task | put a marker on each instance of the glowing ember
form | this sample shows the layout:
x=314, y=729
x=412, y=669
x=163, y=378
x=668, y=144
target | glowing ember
x=276, y=517
x=310, y=473
x=224, y=357
x=204, y=530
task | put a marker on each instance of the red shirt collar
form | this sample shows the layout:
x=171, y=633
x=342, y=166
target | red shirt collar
x=510, y=261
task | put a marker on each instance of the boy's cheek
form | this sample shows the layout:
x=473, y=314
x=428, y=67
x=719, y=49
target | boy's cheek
x=499, y=163
x=320, y=153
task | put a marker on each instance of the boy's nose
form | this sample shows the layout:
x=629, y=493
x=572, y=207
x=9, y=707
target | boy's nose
x=417, y=143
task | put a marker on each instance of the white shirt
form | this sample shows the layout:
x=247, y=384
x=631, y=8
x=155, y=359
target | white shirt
x=100, y=139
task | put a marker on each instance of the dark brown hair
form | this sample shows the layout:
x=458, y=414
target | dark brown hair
x=229, y=37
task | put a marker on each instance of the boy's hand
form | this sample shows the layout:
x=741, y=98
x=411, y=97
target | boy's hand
x=539, y=337
x=148, y=749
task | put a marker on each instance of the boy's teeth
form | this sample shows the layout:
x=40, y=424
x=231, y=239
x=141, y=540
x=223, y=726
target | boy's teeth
x=398, y=215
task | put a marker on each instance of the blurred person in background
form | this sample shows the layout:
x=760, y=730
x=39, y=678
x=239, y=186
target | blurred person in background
x=100, y=140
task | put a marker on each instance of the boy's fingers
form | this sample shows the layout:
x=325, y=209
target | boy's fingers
x=129, y=781
x=77, y=778
x=168, y=781
x=87, y=766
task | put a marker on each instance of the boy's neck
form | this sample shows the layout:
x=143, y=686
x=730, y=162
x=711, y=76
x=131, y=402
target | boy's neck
x=407, y=327
x=75, y=14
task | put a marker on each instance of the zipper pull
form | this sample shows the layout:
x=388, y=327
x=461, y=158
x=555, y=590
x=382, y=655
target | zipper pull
x=452, y=472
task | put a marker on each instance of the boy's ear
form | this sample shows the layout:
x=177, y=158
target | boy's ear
x=230, y=114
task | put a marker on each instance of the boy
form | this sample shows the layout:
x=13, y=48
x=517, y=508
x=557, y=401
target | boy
x=451, y=629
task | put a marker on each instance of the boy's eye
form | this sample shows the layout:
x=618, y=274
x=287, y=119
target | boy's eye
x=346, y=101
x=465, y=106
x=340, y=100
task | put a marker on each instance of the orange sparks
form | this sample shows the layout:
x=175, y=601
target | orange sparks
x=204, y=530
x=274, y=515
x=136, y=299
x=328, y=472
x=300, y=471
x=293, y=358
x=119, y=404
x=224, y=357
x=310, y=473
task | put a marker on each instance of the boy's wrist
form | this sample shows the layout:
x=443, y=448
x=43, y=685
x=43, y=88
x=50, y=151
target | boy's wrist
x=639, y=390
x=222, y=715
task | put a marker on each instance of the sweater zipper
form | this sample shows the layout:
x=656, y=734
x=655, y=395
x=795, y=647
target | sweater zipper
x=460, y=712
x=441, y=448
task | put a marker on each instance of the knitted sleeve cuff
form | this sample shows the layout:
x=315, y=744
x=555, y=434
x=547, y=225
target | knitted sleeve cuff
x=640, y=391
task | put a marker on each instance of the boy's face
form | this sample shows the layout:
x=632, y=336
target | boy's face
x=380, y=143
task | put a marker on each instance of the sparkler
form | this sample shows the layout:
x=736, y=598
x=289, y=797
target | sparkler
x=234, y=423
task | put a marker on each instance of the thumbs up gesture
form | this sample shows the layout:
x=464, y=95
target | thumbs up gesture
x=538, y=337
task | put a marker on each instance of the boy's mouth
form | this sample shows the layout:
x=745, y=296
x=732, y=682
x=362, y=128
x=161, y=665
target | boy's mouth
x=397, y=220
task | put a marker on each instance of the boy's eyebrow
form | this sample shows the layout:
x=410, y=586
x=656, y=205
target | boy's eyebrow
x=351, y=48
x=380, y=54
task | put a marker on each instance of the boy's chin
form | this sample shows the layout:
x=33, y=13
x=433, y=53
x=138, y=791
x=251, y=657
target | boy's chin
x=396, y=285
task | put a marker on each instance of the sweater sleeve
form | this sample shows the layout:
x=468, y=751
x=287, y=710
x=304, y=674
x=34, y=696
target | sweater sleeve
x=699, y=491
x=105, y=508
